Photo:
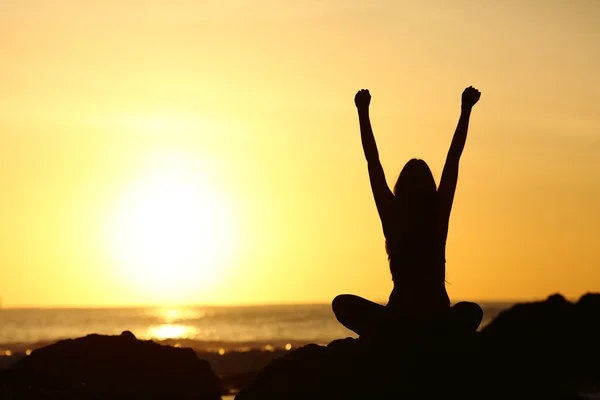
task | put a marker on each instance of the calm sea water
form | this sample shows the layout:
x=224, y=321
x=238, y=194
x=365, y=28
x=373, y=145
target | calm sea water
x=202, y=328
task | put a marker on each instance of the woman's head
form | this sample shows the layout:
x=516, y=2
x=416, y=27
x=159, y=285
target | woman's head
x=415, y=188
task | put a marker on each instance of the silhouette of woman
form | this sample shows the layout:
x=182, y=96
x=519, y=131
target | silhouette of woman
x=415, y=219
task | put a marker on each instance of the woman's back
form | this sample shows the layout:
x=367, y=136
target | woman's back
x=416, y=254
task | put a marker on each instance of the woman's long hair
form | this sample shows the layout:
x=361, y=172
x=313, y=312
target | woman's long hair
x=415, y=195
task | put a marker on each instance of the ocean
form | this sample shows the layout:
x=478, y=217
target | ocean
x=218, y=329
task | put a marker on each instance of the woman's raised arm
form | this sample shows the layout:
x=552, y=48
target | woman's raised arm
x=381, y=192
x=449, y=178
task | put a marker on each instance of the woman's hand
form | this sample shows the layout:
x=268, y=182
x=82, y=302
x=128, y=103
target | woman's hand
x=362, y=99
x=470, y=97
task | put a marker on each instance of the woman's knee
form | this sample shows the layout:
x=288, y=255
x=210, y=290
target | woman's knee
x=470, y=308
x=341, y=303
x=469, y=314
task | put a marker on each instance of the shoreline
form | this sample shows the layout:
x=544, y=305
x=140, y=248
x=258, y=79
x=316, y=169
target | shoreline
x=531, y=333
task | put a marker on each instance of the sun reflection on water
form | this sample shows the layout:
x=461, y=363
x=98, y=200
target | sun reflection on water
x=170, y=331
x=172, y=315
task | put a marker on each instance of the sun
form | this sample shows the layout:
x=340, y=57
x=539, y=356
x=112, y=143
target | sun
x=171, y=233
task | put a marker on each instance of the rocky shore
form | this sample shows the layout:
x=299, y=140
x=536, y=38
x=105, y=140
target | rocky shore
x=547, y=349
x=540, y=350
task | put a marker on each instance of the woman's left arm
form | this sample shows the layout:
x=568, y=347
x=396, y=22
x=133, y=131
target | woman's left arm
x=449, y=178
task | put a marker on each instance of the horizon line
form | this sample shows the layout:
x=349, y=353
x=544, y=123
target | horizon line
x=241, y=305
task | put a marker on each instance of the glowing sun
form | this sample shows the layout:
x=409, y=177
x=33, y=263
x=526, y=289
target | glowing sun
x=171, y=234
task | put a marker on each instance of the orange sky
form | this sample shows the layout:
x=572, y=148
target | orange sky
x=209, y=152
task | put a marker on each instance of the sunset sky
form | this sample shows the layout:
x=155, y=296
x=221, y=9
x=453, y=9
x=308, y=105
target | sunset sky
x=208, y=152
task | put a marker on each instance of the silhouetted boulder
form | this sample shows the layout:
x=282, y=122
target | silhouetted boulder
x=354, y=368
x=111, y=367
x=540, y=350
x=552, y=340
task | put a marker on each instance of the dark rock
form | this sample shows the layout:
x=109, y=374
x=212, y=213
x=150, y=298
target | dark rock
x=552, y=340
x=540, y=350
x=355, y=368
x=111, y=367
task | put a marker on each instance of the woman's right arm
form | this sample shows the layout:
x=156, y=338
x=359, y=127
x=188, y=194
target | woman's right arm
x=381, y=192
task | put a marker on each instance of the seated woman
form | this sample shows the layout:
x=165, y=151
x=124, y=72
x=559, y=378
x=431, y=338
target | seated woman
x=415, y=219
